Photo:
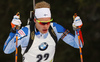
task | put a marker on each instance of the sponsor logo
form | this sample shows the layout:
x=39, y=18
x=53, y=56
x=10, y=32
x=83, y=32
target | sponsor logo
x=21, y=32
x=43, y=46
x=45, y=14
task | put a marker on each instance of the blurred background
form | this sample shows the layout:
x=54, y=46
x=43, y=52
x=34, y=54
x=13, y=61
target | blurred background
x=62, y=13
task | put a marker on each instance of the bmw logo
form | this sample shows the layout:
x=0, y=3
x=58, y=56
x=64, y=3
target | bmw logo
x=43, y=46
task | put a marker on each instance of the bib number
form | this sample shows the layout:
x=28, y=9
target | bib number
x=40, y=57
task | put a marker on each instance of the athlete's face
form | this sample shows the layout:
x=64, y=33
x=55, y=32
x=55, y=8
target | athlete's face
x=42, y=24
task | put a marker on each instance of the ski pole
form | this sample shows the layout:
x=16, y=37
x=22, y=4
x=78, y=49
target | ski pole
x=78, y=33
x=16, y=52
x=80, y=45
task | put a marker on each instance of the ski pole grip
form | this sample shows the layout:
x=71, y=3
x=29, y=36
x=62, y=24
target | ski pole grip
x=18, y=14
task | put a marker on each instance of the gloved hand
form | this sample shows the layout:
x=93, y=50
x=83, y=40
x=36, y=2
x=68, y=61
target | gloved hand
x=77, y=23
x=15, y=23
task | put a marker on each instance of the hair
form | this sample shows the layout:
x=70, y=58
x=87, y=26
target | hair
x=42, y=4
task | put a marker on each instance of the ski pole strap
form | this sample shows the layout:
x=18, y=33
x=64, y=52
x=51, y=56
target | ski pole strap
x=81, y=37
x=64, y=34
x=79, y=32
